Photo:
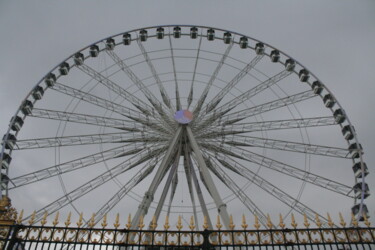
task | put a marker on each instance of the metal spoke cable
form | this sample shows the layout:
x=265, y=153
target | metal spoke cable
x=203, y=96
x=280, y=167
x=163, y=93
x=142, y=87
x=101, y=121
x=191, y=93
x=250, y=141
x=218, y=112
x=65, y=167
x=222, y=130
x=177, y=92
x=123, y=137
x=143, y=156
x=108, y=105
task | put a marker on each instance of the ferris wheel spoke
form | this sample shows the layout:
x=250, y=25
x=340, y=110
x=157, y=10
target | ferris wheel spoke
x=188, y=169
x=177, y=92
x=125, y=189
x=217, y=99
x=250, y=141
x=203, y=96
x=228, y=119
x=211, y=187
x=218, y=112
x=149, y=195
x=240, y=128
x=124, y=137
x=237, y=191
x=108, y=105
x=281, y=167
x=141, y=86
x=267, y=186
x=191, y=93
x=136, y=102
x=163, y=93
x=87, y=119
x=96, y=182
x=76, y=164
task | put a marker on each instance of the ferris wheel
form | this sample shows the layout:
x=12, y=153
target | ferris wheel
x=180, y=119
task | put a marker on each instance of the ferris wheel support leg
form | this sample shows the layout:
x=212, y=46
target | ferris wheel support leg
x=149, y=195
x=221, y=206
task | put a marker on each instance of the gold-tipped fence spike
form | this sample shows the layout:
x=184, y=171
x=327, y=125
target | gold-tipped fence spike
x=19, y=220
x=256, y=223
x=354, y=221
x=32, y=218
x=56, y=220
x=231, y=224
x=92, y=221
x=67, y=222
x=218, y=223
x=141, y=223
x=330, y=222
x=104, y=222
x=166, y=223
x=318, y=221
x=294, y=224
x=117, y=221
x=244, y=224
x=281, y=223
x=153, y=224
x=269, y=222
x=306, y=221
x=205, y=223
x=179, y=223
x=129, y=224
x=80, y=220
x=342, y=221
x=44, y=219
x=367, y=222
x=192, y=224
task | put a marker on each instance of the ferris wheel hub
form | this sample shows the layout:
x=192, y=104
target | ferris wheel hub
x=183, y=116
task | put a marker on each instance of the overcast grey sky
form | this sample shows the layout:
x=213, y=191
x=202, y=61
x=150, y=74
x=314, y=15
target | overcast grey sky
x=334, y=39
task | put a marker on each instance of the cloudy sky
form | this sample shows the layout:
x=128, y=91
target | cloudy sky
x=334, y=39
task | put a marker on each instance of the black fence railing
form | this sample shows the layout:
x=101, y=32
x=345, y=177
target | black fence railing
x=46, y=237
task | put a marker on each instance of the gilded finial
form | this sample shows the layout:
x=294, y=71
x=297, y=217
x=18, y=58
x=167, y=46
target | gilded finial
x=32, y=218
x=153, y=225
x=166, y=224
x=56, y=220
x=92, y=221
x=192, y=225
x=231, y=224
x=281, y=223
x=294, y=224
x=317, y=221
x=218, y=223
x=269, y=222
x=305, y=221
x=179, y=223
x=141, y=224
x=19, y=220
x=342, y=222
x=117, y=221
x=205, y=223
x=244, y=224
x=354, y=221
x=256, y=224
x=330, y=222
x=67, y=222
x=44, y=219
x=104, y=222
x=80, y=220
x=129, y=224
